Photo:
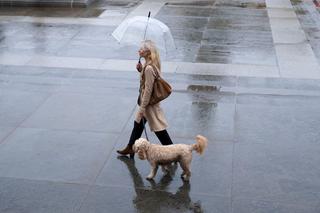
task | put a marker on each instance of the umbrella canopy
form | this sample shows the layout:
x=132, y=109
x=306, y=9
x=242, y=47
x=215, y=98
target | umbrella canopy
x=134, y=30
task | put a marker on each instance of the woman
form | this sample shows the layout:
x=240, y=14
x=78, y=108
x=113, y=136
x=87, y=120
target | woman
x=151, y=113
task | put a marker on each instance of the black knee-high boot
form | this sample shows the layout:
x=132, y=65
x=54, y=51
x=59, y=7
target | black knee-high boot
x=135, y=134
x=164, y=137
x=136, y=131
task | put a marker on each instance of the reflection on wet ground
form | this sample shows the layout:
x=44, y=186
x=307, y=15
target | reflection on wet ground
x=205, y=31
x=94, y=10
x=234, y=32
x=156, y=198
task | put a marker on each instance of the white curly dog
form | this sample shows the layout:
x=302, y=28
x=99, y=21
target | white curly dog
x=165, y=155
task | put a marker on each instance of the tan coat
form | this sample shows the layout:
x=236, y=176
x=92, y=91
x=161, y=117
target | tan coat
x=153, y=113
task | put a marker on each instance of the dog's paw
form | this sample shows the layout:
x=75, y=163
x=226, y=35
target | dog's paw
x=149, y=177
x=185, y=178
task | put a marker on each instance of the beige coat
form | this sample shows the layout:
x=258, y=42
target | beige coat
x=153, y=113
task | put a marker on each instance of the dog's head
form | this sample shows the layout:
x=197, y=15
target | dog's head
x=141, y=146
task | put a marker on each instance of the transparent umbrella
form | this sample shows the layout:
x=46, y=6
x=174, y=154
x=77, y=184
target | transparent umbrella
x=134, y=30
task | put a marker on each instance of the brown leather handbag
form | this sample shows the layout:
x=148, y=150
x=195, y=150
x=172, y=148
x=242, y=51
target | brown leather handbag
x=161, y=89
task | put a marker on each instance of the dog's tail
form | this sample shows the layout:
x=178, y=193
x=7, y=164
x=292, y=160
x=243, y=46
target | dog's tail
x=201, y=144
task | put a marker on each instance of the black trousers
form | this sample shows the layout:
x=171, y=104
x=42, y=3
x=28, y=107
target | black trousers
x=137, y=130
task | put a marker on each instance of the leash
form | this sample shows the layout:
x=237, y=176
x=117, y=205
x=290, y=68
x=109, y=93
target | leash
x=144, y=127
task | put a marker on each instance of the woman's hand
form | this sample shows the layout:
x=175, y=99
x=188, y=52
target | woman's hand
x=140, y=114
x=139, y=67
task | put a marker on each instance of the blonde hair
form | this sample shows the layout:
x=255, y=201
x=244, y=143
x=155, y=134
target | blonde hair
x=154, y=56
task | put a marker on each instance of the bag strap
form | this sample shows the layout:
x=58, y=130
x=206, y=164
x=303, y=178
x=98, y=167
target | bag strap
x=157, y=75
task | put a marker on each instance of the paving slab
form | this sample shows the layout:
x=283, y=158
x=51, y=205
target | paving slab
x=12, y=114
x=288, y=36
x=279, y=4
x=281, y=13
x=63, y=156
x=270, y=123
x=253, y=206
x=21, y=195
x=265, y=172
x=297, y=60
x=97, y=111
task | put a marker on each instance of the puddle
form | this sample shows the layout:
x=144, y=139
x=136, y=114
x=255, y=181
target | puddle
x=296, y=2
x=116, y=3
x=193, y=3
x=300, y=11
x=253, y=5
x=249, y=5
x=203, y=88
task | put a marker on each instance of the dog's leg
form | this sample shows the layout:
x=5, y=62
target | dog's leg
x=165, y=169
x=185, y=165
x=153, y=172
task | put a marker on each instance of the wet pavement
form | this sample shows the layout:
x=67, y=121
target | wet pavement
x=60, y=123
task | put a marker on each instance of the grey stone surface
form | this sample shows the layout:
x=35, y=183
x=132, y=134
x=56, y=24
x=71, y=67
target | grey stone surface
x=185, y=11
x=11, y=101
x=19, y=195
x=183, y=23
x=277, y=125
x=40, y=154
x=52, y=3
x=277, y=172
x=240, y=53
x=193, y=115
x=253, y=206
x=102, y=199
x=279, y=83
x=96, y=112
x=4, y=132
x=60, y=127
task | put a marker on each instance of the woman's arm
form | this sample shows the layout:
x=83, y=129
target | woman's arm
x=148, y=87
